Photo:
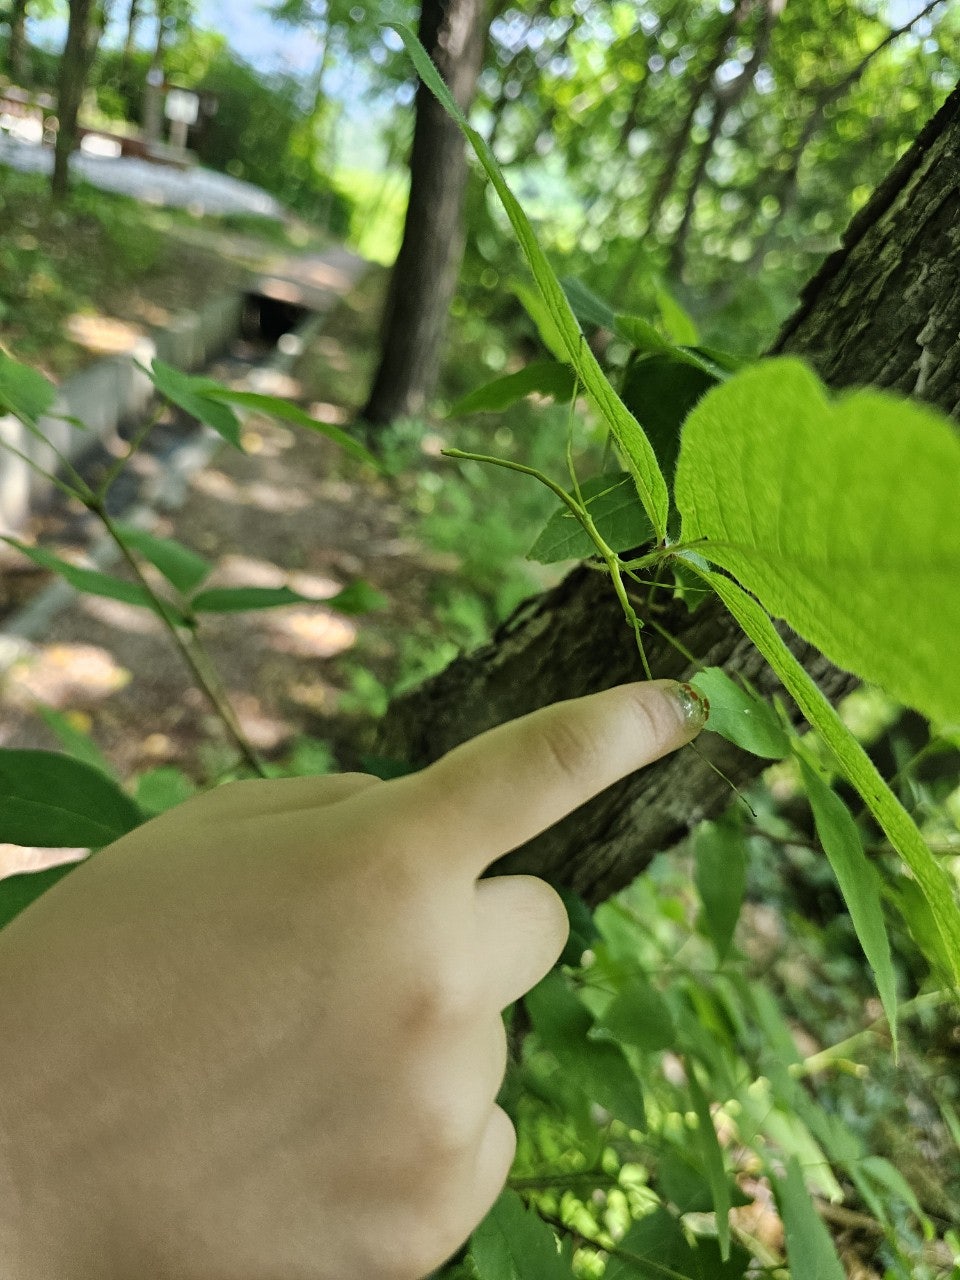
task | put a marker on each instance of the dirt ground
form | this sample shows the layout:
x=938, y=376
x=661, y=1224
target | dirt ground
x=293, y=509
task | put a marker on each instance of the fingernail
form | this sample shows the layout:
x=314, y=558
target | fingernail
x=695, y=707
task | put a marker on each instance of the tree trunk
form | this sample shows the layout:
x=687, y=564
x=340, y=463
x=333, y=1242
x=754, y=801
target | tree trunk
x=75, y=62
x=884, y=310
x=425, y=274
x=134, y=14
x=17, y=46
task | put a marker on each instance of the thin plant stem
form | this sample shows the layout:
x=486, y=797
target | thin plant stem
x=48, y=475
x=134, y=445
x=217, y=700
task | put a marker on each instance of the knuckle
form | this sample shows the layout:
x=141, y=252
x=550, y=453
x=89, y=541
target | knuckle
x=441, y=998
x=565, y=746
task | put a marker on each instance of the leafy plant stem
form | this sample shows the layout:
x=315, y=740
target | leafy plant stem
x=188, y=651
x=609, y=556
x=49, y=475
x=840, y=1052
x=134, y=445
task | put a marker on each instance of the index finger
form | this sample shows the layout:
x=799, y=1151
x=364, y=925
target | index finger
x=500, y=789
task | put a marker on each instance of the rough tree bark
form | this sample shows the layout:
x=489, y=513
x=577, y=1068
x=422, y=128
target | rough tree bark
x=425, y=274
x=83, y=34
x=884, y=310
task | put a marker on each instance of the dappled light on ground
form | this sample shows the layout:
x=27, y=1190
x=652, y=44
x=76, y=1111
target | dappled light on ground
x=308, y=632
x=103, y=335
x=64, y=675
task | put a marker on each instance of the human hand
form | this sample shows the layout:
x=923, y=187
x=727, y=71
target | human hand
x=259, y=1037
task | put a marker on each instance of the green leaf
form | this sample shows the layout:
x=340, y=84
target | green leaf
x=854, y=763
x=514, y=1243
x=721, y=878
x=641, y=333
x=597, y=1067
x=55, y=801
x=639, y=1015
x=536, y=308
x=841, y=517
x=239, y=599
x=79, y=744
x=741, y=717
x=163, y=788
x=178, y=564
x=661, y=388
x=357, y=597
x=633, y=444
x=810, y=1250
x=712, y=1157
x=678, y=323
x=859, y=883
x=26, y=394
x=583, y=930
x=588, y=307
x=193, y=396
x=543, y=377
x=611, y=500
x=92, y=581
x=275, y=407
x=657, y=1246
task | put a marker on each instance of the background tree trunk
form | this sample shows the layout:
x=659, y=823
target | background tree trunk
x=425, y=274
x=83, y=33
x=17, y=46
x=884, y=310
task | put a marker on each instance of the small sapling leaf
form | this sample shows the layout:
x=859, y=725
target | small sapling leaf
x=741, y=717
x=611, y=501
x=543, y=377
x=24, y=392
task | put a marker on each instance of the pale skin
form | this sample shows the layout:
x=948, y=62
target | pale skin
x=260, y=1037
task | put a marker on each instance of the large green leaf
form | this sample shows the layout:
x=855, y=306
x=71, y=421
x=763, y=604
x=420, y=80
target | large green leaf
x=721, y=877
x=358, y=597
x=712, y=1160
x=661, y=388
x=191, y=394
x=178, y=564
x=543, y=377
x=611, y=501
x=24, y=392
x=633, y=444
x=741, y=717
x=810, y=1250
x=934, y=882
x=55, y=801
x=840, y=516
x=639, y=1015
x=589, y=308
x=92, y=581
x=275, y=407
x=514, y=1243
x=858, y=880
x=597, y=1067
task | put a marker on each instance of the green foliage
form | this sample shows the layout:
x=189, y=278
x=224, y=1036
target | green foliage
x=858, y=880
x=721, y=880
x=513, y=1243
x=825, y=510
x=741, y=716
x=24, y=392
x=543, y=377
x=635, y=447
x=611, y=501
x=810, y=1250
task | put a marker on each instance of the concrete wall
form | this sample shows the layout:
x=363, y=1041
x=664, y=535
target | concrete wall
x=104, y=395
